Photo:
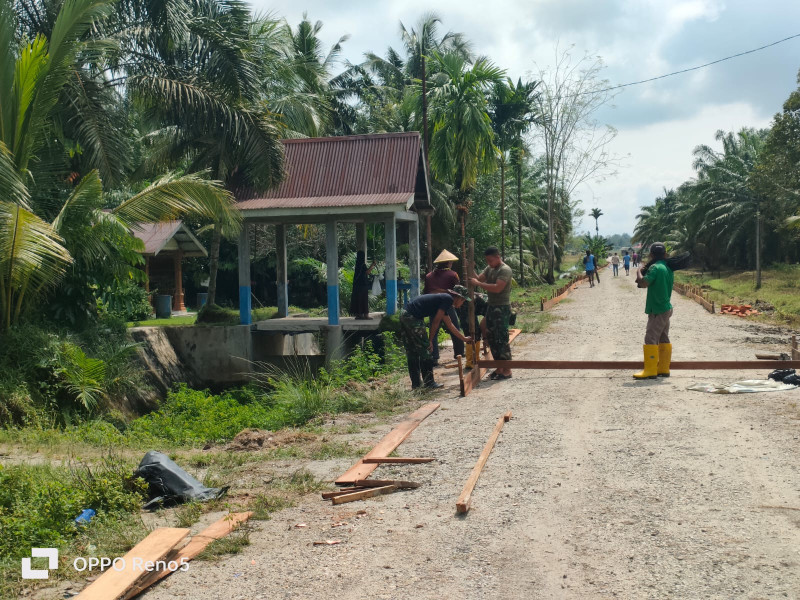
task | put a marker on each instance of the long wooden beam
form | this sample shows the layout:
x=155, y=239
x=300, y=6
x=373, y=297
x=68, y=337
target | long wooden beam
x=616, y=365
x=396, y=460
x=463, y=502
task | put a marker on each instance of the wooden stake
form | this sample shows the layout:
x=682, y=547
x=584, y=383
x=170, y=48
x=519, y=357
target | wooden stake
x=396, y=460
x=464, y=500
x=387, y=489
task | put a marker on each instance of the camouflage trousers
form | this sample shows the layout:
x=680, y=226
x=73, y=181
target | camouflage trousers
x=497, y=331
x=414, y=336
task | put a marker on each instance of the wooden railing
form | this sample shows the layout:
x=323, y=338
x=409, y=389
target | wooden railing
x=695, y=293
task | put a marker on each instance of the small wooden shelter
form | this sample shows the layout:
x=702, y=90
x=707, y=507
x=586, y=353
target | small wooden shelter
x=360, y=179
x=165, y=246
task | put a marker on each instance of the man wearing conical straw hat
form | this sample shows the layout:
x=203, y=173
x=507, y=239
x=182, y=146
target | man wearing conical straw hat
x=438, y=281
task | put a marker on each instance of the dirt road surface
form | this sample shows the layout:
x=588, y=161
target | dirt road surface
x=599, y=487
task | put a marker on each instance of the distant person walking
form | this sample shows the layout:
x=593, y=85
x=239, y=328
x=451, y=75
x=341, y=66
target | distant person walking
x=635, y=260
x=589, y=264
x=615, y=264
x=496, y=280
x=657, y=277
x=626, y=262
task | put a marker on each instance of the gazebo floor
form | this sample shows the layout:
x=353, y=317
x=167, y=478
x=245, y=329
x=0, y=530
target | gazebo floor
x=314, y=324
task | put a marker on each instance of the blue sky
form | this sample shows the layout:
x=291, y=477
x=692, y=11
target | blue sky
x=658, y=123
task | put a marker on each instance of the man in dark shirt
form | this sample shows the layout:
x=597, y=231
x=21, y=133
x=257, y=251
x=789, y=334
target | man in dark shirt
x=418, y=343
x=438, y=281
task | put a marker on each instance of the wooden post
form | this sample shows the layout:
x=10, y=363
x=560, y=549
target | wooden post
x=471, y=307
x=391, y=266
x=332, y=262
x=281, y=266
x=177, y=301
x=245, y=302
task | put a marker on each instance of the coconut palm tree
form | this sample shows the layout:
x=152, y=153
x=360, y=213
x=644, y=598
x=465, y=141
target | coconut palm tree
x=34, y=237
x=462, y=140
x=596, y=214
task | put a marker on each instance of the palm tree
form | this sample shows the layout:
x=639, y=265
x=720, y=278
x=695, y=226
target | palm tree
x=596, y=214
x=462, y=140
x=513, y=111
x=725, y=179
x=208, y=97
x=34, y=239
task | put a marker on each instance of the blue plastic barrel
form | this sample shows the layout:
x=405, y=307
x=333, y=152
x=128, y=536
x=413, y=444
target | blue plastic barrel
x=202, y=298
x=163, y=306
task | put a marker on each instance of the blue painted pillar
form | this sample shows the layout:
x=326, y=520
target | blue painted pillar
x=413, y=256
x=391, y=266
x=332, y=260
x=281, y=268
x=245, y=304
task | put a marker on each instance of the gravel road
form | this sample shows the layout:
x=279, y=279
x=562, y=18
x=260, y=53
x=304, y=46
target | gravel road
x=599, y=487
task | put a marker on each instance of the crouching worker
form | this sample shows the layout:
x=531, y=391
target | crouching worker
x=657, y=277
x=418, y=343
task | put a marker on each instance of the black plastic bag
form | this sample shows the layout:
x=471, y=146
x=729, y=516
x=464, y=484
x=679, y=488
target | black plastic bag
x=169, y=484
x=780, y=374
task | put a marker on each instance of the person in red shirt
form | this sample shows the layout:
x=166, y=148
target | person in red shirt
x=439, y=281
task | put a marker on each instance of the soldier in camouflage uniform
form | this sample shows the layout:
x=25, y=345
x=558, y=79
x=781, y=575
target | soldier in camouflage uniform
x=496, y=280
x=418, y=343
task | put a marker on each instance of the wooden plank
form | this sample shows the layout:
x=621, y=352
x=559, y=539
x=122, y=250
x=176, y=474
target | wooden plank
x=386, y=489
x=464, y=500
x=395, y=460
x=611, y=365
x=387, y=445
x=339, y=492
x=198, y=543
x=461, y=375
x=403, y=485
x=113, y=584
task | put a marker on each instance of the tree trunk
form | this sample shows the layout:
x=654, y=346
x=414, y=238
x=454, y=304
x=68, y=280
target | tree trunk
x=551, y=238
x=519, y=220
x=758, y=249
x=213, y=264
x=502, y=208
x=425, y=108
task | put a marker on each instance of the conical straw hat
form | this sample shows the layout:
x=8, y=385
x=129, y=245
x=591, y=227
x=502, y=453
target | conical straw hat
x=446, y=256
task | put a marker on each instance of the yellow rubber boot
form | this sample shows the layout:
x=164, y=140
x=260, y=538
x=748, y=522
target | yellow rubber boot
x=664, y=358
x=650, y=370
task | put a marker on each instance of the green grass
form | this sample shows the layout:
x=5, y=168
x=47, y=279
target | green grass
x=182, y=321
x=780, y=288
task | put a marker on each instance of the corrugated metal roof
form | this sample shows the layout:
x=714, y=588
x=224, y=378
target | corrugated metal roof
x=157, y=235
x=358, y=170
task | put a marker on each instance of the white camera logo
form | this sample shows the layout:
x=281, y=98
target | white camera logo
x=49, y=553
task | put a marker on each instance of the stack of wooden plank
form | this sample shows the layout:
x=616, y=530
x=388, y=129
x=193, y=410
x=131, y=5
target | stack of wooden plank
x=355, y=485
x=743, y=310
x=158, y=555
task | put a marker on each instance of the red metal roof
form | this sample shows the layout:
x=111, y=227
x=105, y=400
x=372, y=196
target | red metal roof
x=358, y=170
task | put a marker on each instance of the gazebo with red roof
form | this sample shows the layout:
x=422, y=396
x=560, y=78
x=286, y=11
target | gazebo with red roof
x=360, y=179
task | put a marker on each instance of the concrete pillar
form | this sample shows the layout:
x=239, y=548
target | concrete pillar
x=245, y=302
x=334, y=344
x=281, y=266
x=332, y=260
x=391, y=266
x=413, y=256
x=361, y=239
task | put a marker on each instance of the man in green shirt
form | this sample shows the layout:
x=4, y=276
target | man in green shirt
x=657, y=277
x=496, y=280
